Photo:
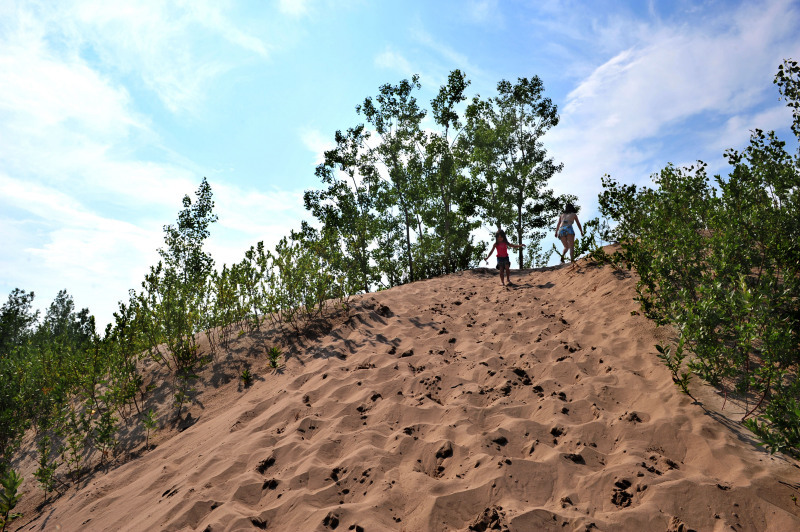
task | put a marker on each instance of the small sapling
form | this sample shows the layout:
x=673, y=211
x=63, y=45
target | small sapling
x=9, y=497
x=150, y=423
x=246, y=377
x=274, y=357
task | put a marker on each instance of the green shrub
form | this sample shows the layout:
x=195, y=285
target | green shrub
x=304, y=277
x=274, y=355
x=150, y=422
x=246, y=377
x=9, y=497
x=721, y=261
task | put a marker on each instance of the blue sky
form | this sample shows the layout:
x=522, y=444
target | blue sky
x=111, y=111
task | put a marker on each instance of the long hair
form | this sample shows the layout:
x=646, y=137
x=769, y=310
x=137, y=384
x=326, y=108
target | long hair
x=569, y=209
x=502, y=233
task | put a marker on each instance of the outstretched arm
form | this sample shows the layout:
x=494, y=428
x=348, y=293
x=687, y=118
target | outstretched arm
x=490, y=252
x=515, y=246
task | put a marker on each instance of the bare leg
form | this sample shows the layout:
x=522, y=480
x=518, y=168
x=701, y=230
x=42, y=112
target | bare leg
x=502, y=273
x=565, y=241
x=508, y=273
x=571, y=244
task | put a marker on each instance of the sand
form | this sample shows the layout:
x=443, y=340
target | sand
x=449, y=404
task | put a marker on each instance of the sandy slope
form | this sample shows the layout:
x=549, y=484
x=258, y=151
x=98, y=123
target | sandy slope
x=452, y=404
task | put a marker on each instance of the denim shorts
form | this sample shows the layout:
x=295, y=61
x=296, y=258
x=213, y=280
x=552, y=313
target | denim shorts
x=503, y=261
x=564, y=231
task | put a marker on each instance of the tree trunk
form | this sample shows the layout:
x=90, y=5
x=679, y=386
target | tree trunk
x=519, y=233
x=408, y=247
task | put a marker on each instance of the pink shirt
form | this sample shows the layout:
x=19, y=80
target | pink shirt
x=502, y=249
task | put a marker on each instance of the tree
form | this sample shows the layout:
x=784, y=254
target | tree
x=451, y=199
x=396, y=117
x=788, y=81
x=306, y=276
x=61, y=321
x=184, y=240
x=347, y=207
x=503, y=145
x=16, y=320
x=174, y=289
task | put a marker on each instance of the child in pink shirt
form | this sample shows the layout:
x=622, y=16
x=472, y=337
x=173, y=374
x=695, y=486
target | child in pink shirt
x=503, y=262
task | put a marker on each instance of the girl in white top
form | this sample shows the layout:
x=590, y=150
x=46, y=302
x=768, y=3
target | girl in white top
x=566, y=233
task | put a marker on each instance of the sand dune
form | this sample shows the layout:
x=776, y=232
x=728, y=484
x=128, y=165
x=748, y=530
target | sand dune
x=452, y=404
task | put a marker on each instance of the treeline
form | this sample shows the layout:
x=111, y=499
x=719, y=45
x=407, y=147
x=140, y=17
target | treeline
x=401, y=197
x=720, y=260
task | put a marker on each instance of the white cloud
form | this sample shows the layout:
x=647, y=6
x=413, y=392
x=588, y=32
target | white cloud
x=81, y=96
x=248, y=216
x=432, y=69
x=450, y=59
x=80, y=209
x=484, y=12
x=294, y=8
x=44, y=202
x=316, y=142
x=619, y=119
x=252, y=212
x=736, y=131
x=447, y=52
x=62, y=244
x=210, y=15
x=55, y=101
x=160, y=42
x=392, y=60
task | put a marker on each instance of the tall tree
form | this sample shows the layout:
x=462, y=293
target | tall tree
x=396, y=117
x=17, y=319
x=347, y=206
x=184, y=240
x=175, y=288
x=17, y=325
x=402, y=196
x=451, y=194
x=503, y=143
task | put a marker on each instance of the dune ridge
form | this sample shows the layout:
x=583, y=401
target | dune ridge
x=453, y=404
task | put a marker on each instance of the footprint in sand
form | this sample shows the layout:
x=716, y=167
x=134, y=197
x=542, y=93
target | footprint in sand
x=331, y=521
x=620, y=496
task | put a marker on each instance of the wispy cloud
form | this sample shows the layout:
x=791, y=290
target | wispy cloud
x=737, y=129
x=433, y=68
x=65, y=122
x=63, y=244
x=81, y=207
x=247, y=216
x=445, y=51
x=153, y=40
x=305, y=8
x=316, y=142
x=294, y=8
x=393, y=60
x=484, y=12
x=620, y=116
